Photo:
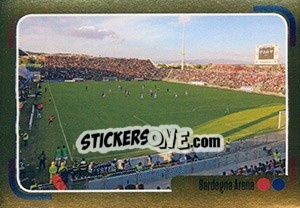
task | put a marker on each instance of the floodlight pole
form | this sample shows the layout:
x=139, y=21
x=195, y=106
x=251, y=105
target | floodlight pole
x=183, y=47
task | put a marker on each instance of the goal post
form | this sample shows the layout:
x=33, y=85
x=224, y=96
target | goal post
x=281, y=119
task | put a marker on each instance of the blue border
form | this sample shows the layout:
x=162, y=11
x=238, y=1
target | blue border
x=14, y=187
x=286, y=14
x=259, y=9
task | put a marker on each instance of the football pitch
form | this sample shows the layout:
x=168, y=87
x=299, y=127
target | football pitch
x=81, y=106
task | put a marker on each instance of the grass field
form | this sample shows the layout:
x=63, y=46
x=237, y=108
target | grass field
x=77, y=109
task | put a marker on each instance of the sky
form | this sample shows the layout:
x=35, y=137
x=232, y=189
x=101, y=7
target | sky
x=155, y=37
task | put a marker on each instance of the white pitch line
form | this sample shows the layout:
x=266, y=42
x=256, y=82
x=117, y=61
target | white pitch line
x=202, y=108
x=206, y=107
x=141, y=120
x=59, y=121
x=236, y=106
x=216, y=107
x=168, y=113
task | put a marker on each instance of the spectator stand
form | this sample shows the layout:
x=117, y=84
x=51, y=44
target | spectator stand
x=103, y=177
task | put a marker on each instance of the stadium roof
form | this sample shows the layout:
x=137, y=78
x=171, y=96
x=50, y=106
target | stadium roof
x=23, y=53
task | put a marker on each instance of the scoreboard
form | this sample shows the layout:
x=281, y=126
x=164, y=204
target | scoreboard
x=267, y=54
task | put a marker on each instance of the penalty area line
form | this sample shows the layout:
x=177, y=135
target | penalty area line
x=60, y=124
x=141, y=120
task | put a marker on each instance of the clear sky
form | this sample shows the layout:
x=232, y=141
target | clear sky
x=155, y=37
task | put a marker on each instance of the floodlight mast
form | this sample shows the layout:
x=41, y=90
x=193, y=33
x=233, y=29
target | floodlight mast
x=183, y=47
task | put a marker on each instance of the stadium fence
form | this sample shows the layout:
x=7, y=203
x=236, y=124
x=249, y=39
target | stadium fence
x=194, y=167
x=241, y=151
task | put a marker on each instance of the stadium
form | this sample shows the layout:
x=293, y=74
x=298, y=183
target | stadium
x=245, y=103
x=91, y=89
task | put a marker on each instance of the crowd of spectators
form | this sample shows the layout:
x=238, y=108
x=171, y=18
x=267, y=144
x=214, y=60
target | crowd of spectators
x=270, y=167
x=83, y=169
x=24, y=89
x=95, y=68
x=267, y=78
x=66, y=67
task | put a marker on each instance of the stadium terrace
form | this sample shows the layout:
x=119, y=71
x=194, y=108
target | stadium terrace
x=260, y=78
x=72, y=89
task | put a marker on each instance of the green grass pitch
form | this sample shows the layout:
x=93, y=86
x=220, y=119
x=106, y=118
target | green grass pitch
x=77, y=109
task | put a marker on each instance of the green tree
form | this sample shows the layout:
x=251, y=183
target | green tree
x=198, y=66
